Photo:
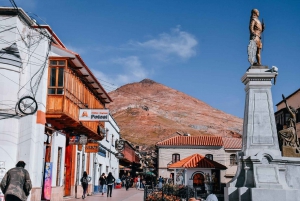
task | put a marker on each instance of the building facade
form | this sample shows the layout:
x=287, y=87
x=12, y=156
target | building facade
x=282, y=115
x=106, y=160
x=221, y=150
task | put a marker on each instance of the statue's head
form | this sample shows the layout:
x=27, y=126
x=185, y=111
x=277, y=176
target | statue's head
x=254, y=12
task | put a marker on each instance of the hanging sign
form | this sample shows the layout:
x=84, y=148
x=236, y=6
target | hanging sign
x=78, y=140
x=91, y=147
x=93, y=114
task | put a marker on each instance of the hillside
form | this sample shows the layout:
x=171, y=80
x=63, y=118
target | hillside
x=148, y=112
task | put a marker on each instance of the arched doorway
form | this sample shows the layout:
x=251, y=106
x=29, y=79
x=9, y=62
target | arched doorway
x=198, y=180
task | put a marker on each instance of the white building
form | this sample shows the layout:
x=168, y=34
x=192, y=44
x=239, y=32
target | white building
x=218, y=149
x=106, y=160
x=23, y=72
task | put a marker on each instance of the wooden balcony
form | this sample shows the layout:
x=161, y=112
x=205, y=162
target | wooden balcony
x=63, y=113
x=71, y=88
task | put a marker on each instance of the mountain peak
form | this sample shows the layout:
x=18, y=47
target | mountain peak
x=147, y=81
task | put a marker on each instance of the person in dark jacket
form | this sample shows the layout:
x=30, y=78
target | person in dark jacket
x=16, y=183
x=127, y=182
x=110, y=181
x=84, y=183
x=102, y=181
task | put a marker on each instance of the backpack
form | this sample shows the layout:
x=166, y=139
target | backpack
x=84, y=180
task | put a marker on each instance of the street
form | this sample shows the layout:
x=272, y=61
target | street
x=117, y=195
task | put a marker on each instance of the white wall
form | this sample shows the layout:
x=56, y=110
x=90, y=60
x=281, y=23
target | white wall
x=219, y=155
x=58, y=140
x=22, y=139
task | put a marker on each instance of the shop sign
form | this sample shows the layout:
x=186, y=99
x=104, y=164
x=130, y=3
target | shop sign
x=91, y=147
x=47, y=181
x=93, y=114
x=102, y=152
x=78, y=140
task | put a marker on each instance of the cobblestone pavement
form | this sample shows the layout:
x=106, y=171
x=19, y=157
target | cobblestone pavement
x=117, y=195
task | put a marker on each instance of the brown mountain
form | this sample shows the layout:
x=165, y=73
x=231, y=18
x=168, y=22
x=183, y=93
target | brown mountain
x=148, y=112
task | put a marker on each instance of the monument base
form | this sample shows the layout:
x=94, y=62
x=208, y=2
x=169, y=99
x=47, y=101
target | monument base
x=263, y=174
x=264, y=178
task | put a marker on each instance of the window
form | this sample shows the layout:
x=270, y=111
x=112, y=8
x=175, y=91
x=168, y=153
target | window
x=209, y=156
x=106, y=169
x=112, y=140
x=106, y=137
x=56, y=77
x=175, y=158
x=233, y=159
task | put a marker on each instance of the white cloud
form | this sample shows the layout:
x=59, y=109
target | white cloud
x=133, y=65
x=131, y=70
x=177, y=42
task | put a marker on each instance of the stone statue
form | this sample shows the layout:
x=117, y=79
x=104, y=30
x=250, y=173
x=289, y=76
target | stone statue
x=289, y=135
x=254, y=48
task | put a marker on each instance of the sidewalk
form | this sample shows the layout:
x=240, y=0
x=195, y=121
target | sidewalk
x=117, y=195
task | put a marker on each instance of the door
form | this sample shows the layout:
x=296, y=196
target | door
x=68, y=171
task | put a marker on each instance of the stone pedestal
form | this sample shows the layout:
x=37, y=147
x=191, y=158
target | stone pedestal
x=262, y=172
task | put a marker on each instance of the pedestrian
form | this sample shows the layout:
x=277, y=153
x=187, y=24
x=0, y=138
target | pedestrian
x=127, y=182
x=160, y=182
x=123, y=180
x=110, y=181
x=135, y=181
x=84, y=183
x=102, y=181
x=138, y=183
x=16, y=183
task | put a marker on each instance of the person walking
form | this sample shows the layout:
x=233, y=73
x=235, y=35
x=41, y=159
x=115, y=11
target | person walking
x=102, y=181
x=138, y=183
x=110, y=181
x=160, y=182
x=84, y=183
x=135, y=181
x=16, y=183
x=127, y=182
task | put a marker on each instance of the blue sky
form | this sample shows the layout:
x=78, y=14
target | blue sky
x=197, y=47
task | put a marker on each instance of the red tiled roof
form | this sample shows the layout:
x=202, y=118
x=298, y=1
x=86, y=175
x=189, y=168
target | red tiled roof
x=193, y=141
x=197, y=161
x=232, y=143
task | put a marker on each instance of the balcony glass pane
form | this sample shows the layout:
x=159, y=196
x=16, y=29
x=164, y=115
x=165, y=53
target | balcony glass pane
x=60, y=91
x=60, y=77
x=53, y=63
x=52, y=77
x=51, y=91
x=61, y=63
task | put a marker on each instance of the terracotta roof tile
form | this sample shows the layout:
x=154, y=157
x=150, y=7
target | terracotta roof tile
x=197, y=161
x=232, y=143
x=193, y=141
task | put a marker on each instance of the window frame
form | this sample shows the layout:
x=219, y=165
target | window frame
x=57, y=68
x=175, y=157
x=232, y=160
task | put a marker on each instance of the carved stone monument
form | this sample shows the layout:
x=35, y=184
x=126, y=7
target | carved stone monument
x=288, y=136
x=263, y=174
